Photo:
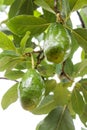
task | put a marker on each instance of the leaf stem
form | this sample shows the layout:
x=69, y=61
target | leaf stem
x=32, y=61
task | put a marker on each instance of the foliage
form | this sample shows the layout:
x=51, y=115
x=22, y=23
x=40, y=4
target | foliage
x=32, y=26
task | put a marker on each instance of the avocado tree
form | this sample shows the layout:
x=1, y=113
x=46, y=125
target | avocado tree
x=37, y=42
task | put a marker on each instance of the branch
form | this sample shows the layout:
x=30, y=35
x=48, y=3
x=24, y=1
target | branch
x=81, y=20
x=8, y=79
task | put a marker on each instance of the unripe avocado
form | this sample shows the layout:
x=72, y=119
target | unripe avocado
x=57, y=44
x=31, y=89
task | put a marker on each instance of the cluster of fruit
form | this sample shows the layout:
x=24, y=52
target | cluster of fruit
x=56, y=50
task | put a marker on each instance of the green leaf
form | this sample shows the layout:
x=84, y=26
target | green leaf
x=83, y=87
x=27, y=7
x=45, y=106
x=23, y=41
x=7, y=2
x=77, y=101
x=15, y=7
x=50, y=86
x=57, y=119
x=1, y=2
x=68, y=67
x=46, y=69
x=80, y=35
x=3, y=62
x=14, y=74
x=10, y=96
x=45, y=5
x=80, y=69
x=50, y=17
x=23, y=23
x=61, y=94
x=77, y=4
x=65, y=7
x=83, y=116
x=6, y=43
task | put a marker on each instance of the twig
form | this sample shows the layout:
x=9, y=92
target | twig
x=8, y=79
x=56, y=7
x=81, y=20
x=64, y=74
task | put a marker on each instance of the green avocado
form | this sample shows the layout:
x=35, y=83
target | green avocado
x=31, y=89
x=57, y=43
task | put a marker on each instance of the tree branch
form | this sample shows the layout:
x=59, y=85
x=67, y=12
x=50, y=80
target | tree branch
x=81, y=20
x=8, y=79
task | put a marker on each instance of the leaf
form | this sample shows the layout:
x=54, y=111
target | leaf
x=77, y=101
x=83, y=87
x=50, y=17
x=61, y=94
x=7, y=2
x=23, y=23
x=68, y=67
x=45, y=106
x=77, y=4
x=1, y=2
x=65, y=7
x=50, y=86
x=44, y=5
x=10, y=96
x=57, y=119
x=6, y=43
x=27, y=7
x=3, y=62
x=14, y=74
x=23, y=41
x=46, y=70
x=83, y=116
x=80, y=35
x=80, y=69
x=15, y=7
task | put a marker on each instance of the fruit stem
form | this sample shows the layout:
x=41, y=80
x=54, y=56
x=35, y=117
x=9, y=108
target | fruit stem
x=32, y=61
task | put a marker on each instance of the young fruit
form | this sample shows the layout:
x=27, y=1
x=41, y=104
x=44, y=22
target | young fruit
x=57, y=43
x=31, y=90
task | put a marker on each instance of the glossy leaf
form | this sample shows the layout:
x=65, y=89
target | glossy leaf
x=5, y=42
x=44, y=5
x=10, y=96
x=57, y=119
x=77, y=4
x=77, y=101
x=23, y=23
